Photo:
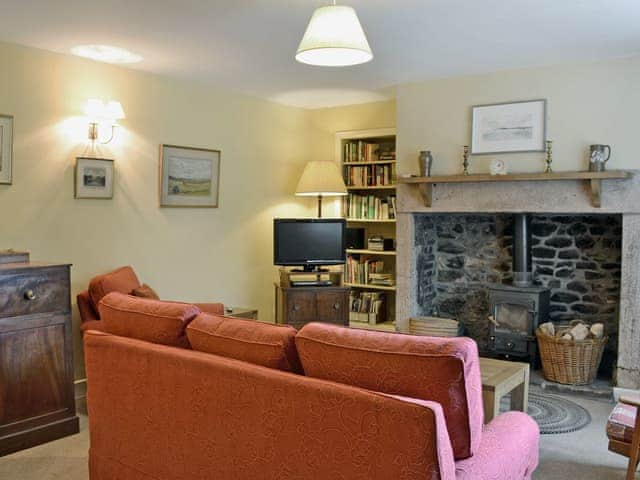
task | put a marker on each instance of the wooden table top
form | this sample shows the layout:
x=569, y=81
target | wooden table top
x=497, y=372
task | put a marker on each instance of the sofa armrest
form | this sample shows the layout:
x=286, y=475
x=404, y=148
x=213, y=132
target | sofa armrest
x=508, y=450
x=211, y=308
x=87, y=313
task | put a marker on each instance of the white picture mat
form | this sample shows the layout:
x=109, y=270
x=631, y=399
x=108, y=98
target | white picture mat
x=509, y=127
x=6, y=148
x=83, y=191
x=175, y=156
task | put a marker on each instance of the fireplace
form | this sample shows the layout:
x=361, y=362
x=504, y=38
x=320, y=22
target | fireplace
x=449, y=253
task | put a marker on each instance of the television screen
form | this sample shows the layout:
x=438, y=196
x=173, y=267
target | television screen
x=308, y=241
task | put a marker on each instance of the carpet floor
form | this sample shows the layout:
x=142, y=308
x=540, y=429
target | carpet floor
x=581, y=455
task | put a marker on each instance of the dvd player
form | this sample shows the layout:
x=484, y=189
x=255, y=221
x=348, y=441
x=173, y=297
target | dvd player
x=311, y=283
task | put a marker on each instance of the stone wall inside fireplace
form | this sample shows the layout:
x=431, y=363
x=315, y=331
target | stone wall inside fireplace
x=578, y=257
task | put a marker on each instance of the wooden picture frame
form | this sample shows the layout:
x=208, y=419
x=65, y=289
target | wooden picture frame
x=93, y=178
x=510, y=127
x=189, y=177
x=6, y=149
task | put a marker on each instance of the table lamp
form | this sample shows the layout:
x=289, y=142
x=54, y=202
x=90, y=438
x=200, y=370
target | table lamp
x=321, y=179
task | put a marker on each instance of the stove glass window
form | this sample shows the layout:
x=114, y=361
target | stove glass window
x=512, y=317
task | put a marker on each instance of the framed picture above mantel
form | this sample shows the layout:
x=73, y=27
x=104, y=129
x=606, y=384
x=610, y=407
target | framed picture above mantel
x=511, y=127
x=189, y=177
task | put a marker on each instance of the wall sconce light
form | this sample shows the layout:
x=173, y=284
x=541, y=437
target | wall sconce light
x=102, y=115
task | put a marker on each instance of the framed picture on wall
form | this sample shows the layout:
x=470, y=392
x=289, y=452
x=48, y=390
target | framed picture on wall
x=6, y=148
x=509, y=127
x=189, y=177
x=94, y=178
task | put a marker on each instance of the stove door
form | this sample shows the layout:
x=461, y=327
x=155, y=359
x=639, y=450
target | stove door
x=514, y=318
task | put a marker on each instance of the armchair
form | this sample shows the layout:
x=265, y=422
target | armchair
x=623, y=430
x=123, y=280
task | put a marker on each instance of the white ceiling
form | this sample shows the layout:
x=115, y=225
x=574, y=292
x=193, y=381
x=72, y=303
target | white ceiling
x=249, y=45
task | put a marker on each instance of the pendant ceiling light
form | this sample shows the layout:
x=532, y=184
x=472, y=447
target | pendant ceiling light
x=334, y=38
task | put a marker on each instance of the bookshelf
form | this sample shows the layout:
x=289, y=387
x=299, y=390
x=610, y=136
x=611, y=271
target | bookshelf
x=368, y=163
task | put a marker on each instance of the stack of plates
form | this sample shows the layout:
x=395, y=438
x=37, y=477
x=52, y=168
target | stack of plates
x=434, y=327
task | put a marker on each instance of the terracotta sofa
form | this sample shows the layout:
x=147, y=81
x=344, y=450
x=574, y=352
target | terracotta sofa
x=122, y=280
x=174, y=393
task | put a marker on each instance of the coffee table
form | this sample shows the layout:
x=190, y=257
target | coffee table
x=500, y=377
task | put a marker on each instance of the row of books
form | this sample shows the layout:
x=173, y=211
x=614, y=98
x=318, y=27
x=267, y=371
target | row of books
x=359, y=268
x=367, y=307
x=361, y=151
x=371, y=207
x=370, y=175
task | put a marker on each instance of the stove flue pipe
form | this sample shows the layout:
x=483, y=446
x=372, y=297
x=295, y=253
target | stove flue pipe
x=522, y=276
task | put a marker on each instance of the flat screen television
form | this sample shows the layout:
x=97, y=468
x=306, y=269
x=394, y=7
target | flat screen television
x=309, y=243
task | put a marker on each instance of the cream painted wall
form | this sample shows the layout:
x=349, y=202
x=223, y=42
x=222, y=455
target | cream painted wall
x=222, y=254
x=594, y=103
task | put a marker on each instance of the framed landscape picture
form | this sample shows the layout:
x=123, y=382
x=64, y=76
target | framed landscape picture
x=509, y=127
x=6, y=148
x=189, y=177
x=94, y=178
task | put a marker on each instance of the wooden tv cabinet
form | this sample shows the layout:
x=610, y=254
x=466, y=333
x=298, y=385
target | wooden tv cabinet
x=297, y=306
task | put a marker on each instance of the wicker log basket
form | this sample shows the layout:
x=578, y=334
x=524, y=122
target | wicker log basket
x=569, y=361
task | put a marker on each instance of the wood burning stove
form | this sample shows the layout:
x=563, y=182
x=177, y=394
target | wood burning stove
x=518, y=309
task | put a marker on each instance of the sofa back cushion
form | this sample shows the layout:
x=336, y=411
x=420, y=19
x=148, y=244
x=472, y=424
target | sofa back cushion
x=151, y=320
x=254, y=342
x=122, y=280
x=443, y=370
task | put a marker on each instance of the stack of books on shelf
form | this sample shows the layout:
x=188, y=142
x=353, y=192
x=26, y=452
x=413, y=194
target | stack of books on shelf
x=359, y=269
x=370, y=175
x=371, y=207
x=382, y=279
x=386, y=156
x=361, y=151
x=367, y=307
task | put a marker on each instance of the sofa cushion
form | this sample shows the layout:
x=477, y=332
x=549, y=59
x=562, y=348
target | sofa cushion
x=145, y=291
x=151, y=320
x=122, y=280
x=622, y=422
x=250, y=341
x=443, y=370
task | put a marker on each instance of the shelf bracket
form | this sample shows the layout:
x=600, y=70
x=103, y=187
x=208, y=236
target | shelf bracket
x=426, y=191
x=596, y=192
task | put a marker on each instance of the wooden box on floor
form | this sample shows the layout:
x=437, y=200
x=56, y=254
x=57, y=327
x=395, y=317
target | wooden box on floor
x=36, y=356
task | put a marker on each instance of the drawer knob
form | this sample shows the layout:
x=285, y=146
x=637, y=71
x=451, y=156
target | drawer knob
x=30, y=295
x=296, y=308
x=336, y=306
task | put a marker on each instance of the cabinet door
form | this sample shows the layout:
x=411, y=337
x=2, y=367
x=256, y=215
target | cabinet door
x=34, y=382
x=332, y=307
x=300, y=308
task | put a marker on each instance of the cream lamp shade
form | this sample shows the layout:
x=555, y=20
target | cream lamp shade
x=334, y=38
x=321, y=179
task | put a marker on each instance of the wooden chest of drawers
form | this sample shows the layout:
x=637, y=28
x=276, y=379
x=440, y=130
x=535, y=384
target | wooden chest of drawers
x=297, y=306
x=36, y=356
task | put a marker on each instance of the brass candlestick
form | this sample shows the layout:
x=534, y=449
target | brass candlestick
x=549, y=157
x=465, y=160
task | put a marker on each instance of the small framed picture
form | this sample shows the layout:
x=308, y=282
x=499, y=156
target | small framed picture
x=6, y=148
x=509, y=127
x=94, y=178
x=189, y=177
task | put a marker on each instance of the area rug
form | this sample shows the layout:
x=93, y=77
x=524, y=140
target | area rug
x=554, y=414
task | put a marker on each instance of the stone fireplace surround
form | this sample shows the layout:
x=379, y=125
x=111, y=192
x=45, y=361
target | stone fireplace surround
x=620, y=199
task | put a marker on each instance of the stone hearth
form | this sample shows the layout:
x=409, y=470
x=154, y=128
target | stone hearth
x=587, y=256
